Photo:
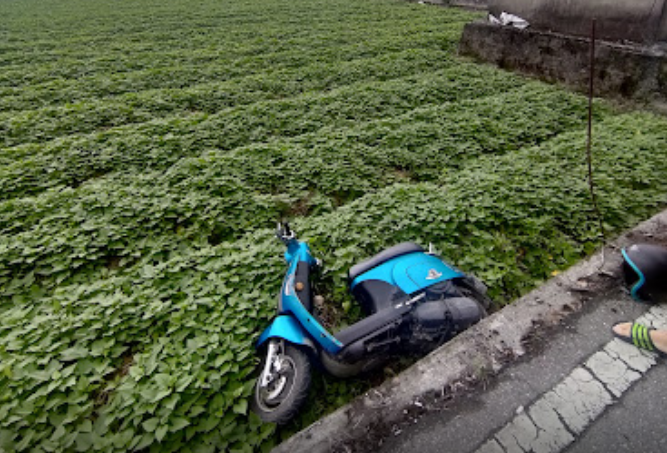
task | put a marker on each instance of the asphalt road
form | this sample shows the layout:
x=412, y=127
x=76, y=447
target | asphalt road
x=637, y=422
x=578, y=390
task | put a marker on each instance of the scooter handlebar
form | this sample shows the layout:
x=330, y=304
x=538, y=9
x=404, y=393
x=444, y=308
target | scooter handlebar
x=284, y=233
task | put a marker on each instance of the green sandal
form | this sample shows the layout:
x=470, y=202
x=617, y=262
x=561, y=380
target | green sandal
x=640, y=336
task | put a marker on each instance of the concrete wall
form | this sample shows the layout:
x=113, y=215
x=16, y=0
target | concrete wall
x=662, y=28
x=643, y=21
x=621, y=70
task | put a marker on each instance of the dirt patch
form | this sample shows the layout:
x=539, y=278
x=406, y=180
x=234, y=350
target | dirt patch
x=326, y=313
x=101, y=397
x=113, y=262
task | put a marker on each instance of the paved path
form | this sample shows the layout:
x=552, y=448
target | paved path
x=579, y=391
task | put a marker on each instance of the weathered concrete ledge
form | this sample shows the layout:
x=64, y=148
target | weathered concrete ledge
x=629, y=71
x=487, y=347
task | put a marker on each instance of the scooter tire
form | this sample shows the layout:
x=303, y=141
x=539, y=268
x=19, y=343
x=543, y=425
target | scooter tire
x=286, y=404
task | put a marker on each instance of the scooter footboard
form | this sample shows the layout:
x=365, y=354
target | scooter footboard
x=368, y=328
x=288, y=329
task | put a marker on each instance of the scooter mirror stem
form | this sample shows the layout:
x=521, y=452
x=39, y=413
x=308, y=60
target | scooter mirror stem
x=280, y=233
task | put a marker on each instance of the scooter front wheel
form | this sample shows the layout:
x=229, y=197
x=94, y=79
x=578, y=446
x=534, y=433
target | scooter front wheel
x=283, y=385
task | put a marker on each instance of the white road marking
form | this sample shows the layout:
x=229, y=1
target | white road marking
x=553, y=422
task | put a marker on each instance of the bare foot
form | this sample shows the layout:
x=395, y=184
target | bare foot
x=659, y=337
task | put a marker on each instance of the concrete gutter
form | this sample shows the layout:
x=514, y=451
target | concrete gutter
x=482, y=350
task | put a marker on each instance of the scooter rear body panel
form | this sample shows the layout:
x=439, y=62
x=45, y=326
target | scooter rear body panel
x=410, y=273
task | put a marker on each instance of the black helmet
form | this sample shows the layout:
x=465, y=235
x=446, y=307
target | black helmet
x=645, y=271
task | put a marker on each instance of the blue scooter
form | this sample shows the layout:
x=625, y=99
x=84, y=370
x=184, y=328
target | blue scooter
x=413, y=301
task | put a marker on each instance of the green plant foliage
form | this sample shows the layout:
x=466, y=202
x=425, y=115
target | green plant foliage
x=148, y=147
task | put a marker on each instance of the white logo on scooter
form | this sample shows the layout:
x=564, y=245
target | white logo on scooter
x=433, y=274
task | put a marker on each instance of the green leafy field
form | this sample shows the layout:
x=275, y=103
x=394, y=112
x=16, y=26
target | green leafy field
x=147, y=148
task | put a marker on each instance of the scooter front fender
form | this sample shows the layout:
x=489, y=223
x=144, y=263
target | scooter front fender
x=288, y=329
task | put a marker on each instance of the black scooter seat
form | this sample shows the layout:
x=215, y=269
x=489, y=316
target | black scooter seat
x=382, y=257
